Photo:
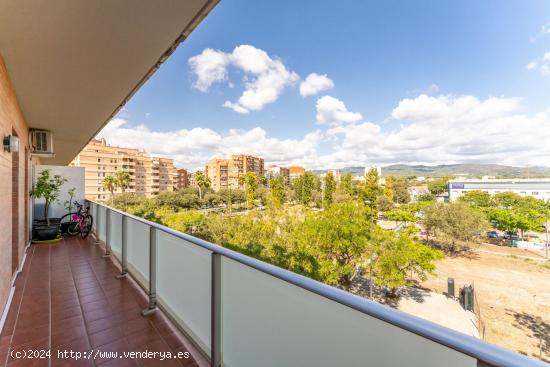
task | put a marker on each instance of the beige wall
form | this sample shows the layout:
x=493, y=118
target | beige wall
x=11, y=119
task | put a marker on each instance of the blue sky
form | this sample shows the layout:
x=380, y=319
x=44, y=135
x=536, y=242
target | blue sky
x=416, y=72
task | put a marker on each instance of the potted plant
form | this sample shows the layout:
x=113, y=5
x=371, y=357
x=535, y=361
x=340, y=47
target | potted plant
x=47, y=187
x=68, y=204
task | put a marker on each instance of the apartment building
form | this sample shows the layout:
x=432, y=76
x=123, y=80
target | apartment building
x=182, y=179
x=295, y=171
x=226, y=173
x=148, y=175
x=275, y=171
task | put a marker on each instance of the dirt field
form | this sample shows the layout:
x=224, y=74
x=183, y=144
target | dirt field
x=513, y=293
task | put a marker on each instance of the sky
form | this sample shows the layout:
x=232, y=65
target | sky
x=327, y=84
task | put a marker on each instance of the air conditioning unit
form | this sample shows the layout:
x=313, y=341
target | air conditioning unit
x=41, y=142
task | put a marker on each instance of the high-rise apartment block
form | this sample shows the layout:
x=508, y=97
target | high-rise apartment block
x=182, y=179
x=226, y=173
x=275, y=171
x=295, y=171
x=148, y=175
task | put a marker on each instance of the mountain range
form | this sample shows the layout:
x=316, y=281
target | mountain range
x=473, y=170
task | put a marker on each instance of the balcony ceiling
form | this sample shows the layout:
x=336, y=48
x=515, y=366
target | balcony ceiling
x=74, y=63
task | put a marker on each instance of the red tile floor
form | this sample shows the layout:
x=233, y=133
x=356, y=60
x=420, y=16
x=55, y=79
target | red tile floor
x=68, y=299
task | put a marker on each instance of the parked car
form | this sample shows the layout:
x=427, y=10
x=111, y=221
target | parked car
x=512, y=236
x=492, y=234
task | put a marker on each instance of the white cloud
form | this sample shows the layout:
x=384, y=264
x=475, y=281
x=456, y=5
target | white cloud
x=443, y=129
x=448, y=129
x=542, y=65
x=314, y=84
x=532, y=65
x=265, y=77
x=331, y=110
x=210, y=66
x=544, y=30
x=192, y=148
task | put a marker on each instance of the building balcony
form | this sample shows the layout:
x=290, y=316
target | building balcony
x=234, y=310
x=68, y=298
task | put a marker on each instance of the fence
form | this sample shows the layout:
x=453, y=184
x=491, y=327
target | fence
x=243, y=312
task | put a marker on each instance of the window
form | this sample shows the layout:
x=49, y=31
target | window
x=99, y=174
x=535, y=193
x=99, y=159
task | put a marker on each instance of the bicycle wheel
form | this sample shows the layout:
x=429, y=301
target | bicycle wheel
x=69, y=223
x=86, y=226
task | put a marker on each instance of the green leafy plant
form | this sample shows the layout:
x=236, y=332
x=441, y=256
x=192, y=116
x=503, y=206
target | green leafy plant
x=68, y=204
x=47, y=187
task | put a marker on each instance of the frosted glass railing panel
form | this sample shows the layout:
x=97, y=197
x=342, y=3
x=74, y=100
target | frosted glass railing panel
x=115, y=234
x=184, y=285
x=269, y=322
x=93, y=212
x=137, y=247
x=101, y=223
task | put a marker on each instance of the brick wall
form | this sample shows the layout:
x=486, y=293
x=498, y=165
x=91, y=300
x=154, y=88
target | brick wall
x=11, y=120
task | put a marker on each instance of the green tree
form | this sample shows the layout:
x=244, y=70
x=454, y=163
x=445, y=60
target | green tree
x=110, y=184
x=337, y=238
x=507, y=199
x=346, y=184
x=400, y=215
x=47, y=187
x=383, y=204
x=477, y=198
x=371, y=189
x=123, y=180
x=277, y=191
x=425, y=197
x=388, y=189
x=401, y=193
x=438, y=187
x=181, y=199
x=203, y=182
x=401, y=255
x=455, y=223
x=304, y=186
x=329, y=189
x=250, y=182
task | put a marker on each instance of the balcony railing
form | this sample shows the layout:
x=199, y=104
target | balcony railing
x=243, y=312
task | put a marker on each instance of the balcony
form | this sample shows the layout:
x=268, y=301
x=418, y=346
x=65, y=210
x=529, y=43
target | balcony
x=68, y=297
x=243, y=312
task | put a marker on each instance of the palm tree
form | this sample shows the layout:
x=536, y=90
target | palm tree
x=110, y=184
x=122, y=180
x=202, y=181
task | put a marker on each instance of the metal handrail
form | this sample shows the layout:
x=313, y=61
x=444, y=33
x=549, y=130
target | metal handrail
x=484, y=352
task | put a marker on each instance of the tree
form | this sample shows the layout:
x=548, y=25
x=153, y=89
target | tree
x=371, y=189
x=401, y=191
x=388, y=189
x=277, y=191
x=346, y=184
x=401, y=255
x=123, y=180
x=109, y=183
x=47, y=188
x=329, y=188
x=477, y=198
x=203, y=182
x=337, y=238
x=383, y=204
x=250, y=182
x=438, y=187
x=425, y=197
x=304, y=187
x=507, y=200
x=454, y=222
x=400, y=216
